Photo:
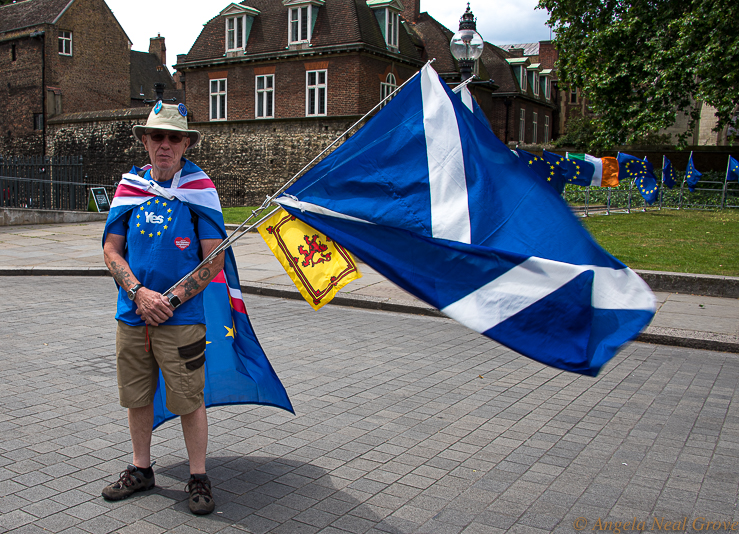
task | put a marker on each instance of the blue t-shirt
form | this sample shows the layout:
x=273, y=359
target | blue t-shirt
x=162, y=247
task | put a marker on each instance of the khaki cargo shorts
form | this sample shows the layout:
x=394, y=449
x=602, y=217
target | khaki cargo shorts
x=178, y=350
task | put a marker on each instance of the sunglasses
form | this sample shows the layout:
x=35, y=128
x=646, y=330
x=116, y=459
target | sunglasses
x=174, y=138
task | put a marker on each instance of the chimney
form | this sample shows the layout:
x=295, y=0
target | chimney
x=156, y=47
x=412, y=10
x=516, y=52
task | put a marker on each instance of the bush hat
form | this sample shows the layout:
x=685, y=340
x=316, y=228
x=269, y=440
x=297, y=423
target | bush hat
x=167, y=117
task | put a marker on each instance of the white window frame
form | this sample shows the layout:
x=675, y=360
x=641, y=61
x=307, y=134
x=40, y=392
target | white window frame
x=536, y=83
x=65, y=41
x=522, y=125
x=547, y=88
x=300, y=25
x=524, y=78
x=316, y=90
x=221, y=101
x=392, y=27
x=265, y=96
x=239, y=23
x=387, y=87
x=546, y=129
x=535, y=129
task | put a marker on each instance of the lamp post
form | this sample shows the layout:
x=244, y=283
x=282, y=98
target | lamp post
x=466, y=45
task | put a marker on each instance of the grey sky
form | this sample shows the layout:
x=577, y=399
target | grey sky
x=180, y=22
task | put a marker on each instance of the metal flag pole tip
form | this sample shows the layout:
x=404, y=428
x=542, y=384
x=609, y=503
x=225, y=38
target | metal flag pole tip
x=230, y=240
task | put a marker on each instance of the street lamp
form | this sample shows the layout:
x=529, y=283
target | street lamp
x=466, y=45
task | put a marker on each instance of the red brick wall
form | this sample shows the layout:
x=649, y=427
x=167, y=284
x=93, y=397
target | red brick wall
x=547, y=54
x=20, y=89
x=97, y=75
x=353, y=86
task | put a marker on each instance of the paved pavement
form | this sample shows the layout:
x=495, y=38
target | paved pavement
x=404, y=424
x=682, y=319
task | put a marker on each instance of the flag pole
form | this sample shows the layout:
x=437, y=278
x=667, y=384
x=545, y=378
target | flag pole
x=726, y=181
x=230, y=240
x=662, y=186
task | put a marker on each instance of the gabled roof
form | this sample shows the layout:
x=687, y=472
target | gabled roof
x=145, y=71
x=495, y=61
x=30, y=13
x=529, y=49
x=436, y=37
x=339, y=22
x=237, y=9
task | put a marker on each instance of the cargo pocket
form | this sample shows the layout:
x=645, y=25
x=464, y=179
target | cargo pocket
x=192, y=359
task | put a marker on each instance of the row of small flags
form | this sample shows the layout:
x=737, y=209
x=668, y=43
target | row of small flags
x=587, y=170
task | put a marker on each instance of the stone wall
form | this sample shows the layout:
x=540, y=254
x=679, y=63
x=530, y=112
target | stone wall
x=103, y=139
x=250, y=160
x=247, y=160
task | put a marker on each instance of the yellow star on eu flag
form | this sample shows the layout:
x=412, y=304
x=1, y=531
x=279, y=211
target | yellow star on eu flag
x=230, y=331
x=148, y=203
x=151, y=235
x=156, y=201
x=165, y=226
x=142, y=232
x=159, y=233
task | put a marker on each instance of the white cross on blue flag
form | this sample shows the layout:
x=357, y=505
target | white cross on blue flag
x=427, y=195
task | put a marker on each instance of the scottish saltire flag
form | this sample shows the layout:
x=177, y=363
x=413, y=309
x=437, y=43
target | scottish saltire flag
x=472, y=105
x=668, y=173
x=236, y=369
x=642, y=173
x=426, y=195
x=543, y=169
x=692, y=176
x=732, y=171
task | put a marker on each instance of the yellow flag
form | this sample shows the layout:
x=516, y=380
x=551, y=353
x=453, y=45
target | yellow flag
x=318, y=266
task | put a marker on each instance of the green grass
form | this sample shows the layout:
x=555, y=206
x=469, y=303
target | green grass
x=239, y=215
x=684, y=241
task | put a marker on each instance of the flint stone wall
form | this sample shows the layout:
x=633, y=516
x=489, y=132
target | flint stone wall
x=247, y=160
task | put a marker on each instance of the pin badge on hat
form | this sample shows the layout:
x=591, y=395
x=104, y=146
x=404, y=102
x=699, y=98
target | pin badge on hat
x=182, y=109
x=158, y=107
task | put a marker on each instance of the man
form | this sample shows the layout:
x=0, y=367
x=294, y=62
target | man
x=148, y=249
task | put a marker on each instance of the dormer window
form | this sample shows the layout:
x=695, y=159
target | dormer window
x=301, y=19
x=239, y=20
x=522, y=78
x=387, y=13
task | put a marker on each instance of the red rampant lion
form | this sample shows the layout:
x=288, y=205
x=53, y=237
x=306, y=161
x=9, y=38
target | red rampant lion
x=315, y=248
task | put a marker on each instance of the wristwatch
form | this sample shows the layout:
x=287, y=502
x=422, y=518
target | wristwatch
x=132, y=292
x=174, y=300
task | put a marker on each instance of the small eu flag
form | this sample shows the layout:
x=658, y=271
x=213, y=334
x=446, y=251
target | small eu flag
x=692, y=175
x=668, y=174
x=732, y=172
x=642, y=172
x=548, y=172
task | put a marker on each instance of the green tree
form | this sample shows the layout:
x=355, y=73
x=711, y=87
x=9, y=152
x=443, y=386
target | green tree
x=640, y=62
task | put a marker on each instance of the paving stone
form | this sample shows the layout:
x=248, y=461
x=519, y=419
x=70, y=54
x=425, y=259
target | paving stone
x=394, y=432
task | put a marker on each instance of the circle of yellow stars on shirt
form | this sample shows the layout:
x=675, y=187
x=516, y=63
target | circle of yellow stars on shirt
x=165, y=227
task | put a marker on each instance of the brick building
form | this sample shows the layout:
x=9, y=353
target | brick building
x=59, y=57
x=528, y=106
x=280, y=59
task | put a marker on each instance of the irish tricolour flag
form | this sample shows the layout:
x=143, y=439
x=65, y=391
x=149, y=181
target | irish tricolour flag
x=606, y=169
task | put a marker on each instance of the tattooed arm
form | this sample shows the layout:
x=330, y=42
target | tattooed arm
x=153, y=307
x=195, y=283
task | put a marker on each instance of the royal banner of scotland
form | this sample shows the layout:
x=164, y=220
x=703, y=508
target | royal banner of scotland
x=318, y=266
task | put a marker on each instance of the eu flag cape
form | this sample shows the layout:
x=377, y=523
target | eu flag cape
x=236, y=369
x=426, y=195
